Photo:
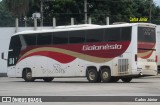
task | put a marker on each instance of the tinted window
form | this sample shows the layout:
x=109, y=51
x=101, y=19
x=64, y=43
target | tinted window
x=94, y=35
x=30, y=39
x=146, y=34
x=44, y=38
x=112, y=34
x=15, y=42
x=126, y=33
x=60, y=38
x=15, y=46
x=76, y=36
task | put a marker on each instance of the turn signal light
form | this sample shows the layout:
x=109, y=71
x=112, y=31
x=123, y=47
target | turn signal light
x=156, y=60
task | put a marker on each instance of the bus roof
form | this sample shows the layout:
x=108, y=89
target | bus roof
x=80, y=27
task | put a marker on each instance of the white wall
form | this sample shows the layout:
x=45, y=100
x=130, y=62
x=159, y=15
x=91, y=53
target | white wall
x=5, y=34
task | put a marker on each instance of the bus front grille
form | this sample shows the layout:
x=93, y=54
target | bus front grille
x=123, y=66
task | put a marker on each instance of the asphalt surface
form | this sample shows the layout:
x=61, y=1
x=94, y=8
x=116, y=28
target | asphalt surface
x=146, y=86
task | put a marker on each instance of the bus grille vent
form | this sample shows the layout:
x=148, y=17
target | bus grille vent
x=123, y=66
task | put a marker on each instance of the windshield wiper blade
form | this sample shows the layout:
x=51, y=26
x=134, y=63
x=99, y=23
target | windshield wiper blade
x=146, y=49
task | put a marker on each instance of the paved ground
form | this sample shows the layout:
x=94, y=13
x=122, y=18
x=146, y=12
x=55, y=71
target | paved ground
x=148, y=86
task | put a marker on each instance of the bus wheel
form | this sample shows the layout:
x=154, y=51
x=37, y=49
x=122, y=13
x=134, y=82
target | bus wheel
x=27, y=75
x=106, y=75
x=92, y=75
x=126, y=79
x=114, y=79
x=48, y=79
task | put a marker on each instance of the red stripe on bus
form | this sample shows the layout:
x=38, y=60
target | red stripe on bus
x=147, y=56
x=104, y=50
x=60, y=57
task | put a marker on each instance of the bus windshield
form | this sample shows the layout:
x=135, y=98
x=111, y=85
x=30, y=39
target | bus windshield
x=15, y=46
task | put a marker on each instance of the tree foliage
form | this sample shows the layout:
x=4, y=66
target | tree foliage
x=6, y=19
x=18, y=8
x=63, y=10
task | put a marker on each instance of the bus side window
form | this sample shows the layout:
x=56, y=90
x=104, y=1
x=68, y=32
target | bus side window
x=44, y=39
x=76, y=36
x=112, y=34
x=94, y=35
x=60, y=38
x=126, y=33
x=30, y=39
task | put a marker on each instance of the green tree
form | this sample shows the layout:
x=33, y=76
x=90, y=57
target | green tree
x=63, y=10
x=6, y=19
x=18, y=8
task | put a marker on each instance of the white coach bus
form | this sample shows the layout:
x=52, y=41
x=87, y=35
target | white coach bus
x=100, y=53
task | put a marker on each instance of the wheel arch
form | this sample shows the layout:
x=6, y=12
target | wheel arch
x=25, y=70
x=89, y=67
x=105, y=66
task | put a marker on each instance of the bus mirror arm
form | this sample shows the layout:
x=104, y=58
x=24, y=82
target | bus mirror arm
x=2, y=56
x=10, y=50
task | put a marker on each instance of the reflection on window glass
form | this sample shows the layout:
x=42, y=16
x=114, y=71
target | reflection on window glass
x=146, y=34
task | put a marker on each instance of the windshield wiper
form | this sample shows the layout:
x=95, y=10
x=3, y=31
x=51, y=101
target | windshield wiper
x=146, y=49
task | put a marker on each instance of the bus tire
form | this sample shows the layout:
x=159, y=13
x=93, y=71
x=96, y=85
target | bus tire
x=92, y=75
x=105, y=75
x=48, y=79
x=126, y=79
x=27, y=75
x=114, y=79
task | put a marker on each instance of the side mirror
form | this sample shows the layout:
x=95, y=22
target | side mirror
x=2, y=56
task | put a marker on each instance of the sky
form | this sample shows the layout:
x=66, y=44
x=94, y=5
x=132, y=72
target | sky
x=157, y=2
